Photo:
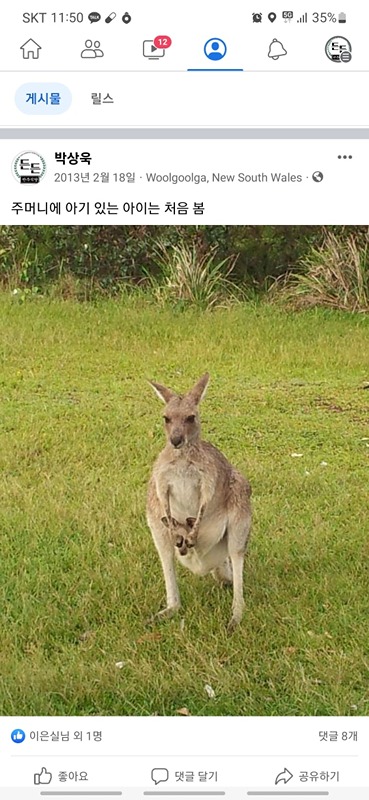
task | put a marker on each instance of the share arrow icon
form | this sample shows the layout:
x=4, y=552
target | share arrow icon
x=284, y=776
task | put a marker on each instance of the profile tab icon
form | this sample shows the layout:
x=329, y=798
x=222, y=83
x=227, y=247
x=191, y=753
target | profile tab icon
x=215, y=49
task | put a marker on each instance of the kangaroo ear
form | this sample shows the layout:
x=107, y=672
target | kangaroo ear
x=162, y=391
x=174, y=522
x=198, y=392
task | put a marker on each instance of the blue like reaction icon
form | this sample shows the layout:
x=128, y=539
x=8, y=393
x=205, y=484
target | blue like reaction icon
x=17, y=736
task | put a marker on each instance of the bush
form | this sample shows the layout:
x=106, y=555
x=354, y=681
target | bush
x=80, y=260
x=335, y=275
x=189, y=277
x=110, y=255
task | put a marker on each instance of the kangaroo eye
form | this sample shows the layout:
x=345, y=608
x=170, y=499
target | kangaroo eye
x=167, y=420
x=191, y=418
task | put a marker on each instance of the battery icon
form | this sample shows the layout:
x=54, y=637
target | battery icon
x=342, y=17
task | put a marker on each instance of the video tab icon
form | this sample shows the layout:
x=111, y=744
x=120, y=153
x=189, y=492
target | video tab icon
x=151, y=51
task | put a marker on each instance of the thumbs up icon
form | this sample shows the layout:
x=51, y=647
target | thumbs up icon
x=18, y=736
x=42, y=777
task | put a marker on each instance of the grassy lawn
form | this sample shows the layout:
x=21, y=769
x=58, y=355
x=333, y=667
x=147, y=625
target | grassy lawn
x=79, y=574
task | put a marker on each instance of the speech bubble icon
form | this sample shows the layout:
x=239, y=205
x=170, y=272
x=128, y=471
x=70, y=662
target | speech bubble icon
x=94, y=16
x=159, y=775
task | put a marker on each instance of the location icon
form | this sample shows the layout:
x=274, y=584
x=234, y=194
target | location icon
x=272, y=16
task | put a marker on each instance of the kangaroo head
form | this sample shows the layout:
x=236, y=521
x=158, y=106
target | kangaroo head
x=181, y=413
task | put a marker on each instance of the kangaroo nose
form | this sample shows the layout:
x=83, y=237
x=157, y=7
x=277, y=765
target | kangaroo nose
x=176, y=440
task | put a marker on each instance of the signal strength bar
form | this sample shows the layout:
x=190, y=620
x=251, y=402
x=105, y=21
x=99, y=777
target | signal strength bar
x=303, y=18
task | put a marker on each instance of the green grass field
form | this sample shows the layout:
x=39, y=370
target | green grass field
x=79, y=575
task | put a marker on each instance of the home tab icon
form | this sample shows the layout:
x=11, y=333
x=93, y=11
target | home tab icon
x=30, y=49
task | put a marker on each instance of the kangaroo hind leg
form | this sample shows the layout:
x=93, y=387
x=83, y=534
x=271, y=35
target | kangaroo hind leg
x=238, y=534
x=165, y=547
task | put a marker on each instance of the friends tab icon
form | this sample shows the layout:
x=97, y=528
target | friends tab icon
x=92, y=50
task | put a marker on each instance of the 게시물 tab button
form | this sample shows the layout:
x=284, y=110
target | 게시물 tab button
x=43, y=98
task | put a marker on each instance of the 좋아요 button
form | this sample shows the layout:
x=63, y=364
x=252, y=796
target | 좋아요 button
x=43, y=98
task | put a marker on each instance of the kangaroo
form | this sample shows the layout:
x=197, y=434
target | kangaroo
x=198, y=504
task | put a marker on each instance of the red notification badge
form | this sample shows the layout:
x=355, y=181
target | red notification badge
x=162, y=42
